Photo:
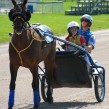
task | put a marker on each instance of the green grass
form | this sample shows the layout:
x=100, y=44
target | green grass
x=57, y=22
x=5, y=28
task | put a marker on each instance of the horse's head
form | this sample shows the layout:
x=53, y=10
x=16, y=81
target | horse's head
x=19, y=15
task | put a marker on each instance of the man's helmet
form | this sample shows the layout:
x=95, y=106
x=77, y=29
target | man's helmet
x=72, y=24
x=87, y=17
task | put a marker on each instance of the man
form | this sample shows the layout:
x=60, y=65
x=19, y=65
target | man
x=86, y=22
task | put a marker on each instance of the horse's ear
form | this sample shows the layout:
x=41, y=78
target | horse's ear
x=14, y=2
x=25, y=2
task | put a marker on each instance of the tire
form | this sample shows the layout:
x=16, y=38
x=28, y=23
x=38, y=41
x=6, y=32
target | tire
x=44, y=86
x=99, y=87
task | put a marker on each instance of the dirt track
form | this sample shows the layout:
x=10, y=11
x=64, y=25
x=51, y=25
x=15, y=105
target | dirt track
x=64, y=98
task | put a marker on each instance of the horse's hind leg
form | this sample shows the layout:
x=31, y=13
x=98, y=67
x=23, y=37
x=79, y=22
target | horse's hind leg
x=35, y=86
x=50, y=68
x=13, y=72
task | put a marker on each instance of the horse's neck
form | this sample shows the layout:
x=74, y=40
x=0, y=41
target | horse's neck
x=23, y=40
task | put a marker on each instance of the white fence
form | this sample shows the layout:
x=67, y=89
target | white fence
x=47, y=7
x=39, y=7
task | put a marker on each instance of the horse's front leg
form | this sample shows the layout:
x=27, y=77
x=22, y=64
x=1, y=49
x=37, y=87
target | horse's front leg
x=13, y=72
x=35, y=86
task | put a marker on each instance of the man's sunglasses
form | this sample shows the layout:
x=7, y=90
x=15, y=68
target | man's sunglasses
x=86, y=20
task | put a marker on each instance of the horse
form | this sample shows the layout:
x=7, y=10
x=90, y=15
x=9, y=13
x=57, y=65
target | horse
x=25, y=49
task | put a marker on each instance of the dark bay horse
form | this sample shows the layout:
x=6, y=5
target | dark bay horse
x=25, y=49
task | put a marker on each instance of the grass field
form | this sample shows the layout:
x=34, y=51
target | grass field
x=56, y=21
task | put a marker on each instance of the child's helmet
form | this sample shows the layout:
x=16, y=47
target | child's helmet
x=72, y=24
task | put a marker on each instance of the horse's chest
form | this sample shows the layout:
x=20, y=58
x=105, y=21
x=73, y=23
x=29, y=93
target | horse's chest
x=25, y=58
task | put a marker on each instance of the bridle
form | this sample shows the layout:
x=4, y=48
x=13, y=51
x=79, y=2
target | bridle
x=21, y=13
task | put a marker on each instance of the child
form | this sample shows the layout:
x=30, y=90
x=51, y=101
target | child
x=73, y=36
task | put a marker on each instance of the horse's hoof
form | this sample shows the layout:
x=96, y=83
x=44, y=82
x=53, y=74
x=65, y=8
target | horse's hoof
x=36, y=107
x=10, y=107
x=50, y=100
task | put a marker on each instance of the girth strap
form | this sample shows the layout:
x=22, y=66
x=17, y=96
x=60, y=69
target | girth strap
x=19, y=52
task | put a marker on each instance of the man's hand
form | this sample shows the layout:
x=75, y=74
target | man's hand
x=89, y=48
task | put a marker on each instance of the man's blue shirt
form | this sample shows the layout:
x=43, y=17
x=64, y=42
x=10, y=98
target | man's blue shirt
x=89, y=37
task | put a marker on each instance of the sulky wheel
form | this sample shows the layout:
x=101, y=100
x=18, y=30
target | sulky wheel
x=44, y=88
x=99, y=87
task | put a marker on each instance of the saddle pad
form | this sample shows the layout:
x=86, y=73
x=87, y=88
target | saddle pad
x=43, y=29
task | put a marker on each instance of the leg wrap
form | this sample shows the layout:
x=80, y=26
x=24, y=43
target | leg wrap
x=11, y=98
x=36, y=97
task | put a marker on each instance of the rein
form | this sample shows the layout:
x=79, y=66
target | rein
x=19, y=52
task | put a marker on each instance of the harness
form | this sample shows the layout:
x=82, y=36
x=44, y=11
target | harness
x=19, y=52
x=34, y=37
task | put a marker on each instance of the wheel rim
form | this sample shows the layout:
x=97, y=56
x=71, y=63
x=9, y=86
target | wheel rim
x=100, y=87
x=45, y=88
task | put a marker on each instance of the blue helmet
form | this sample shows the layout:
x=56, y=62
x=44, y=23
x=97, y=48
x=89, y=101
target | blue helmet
x=87, y=17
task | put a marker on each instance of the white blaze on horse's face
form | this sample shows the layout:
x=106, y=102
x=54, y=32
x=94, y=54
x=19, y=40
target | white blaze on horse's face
x=19, y=16
x=19, y=25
